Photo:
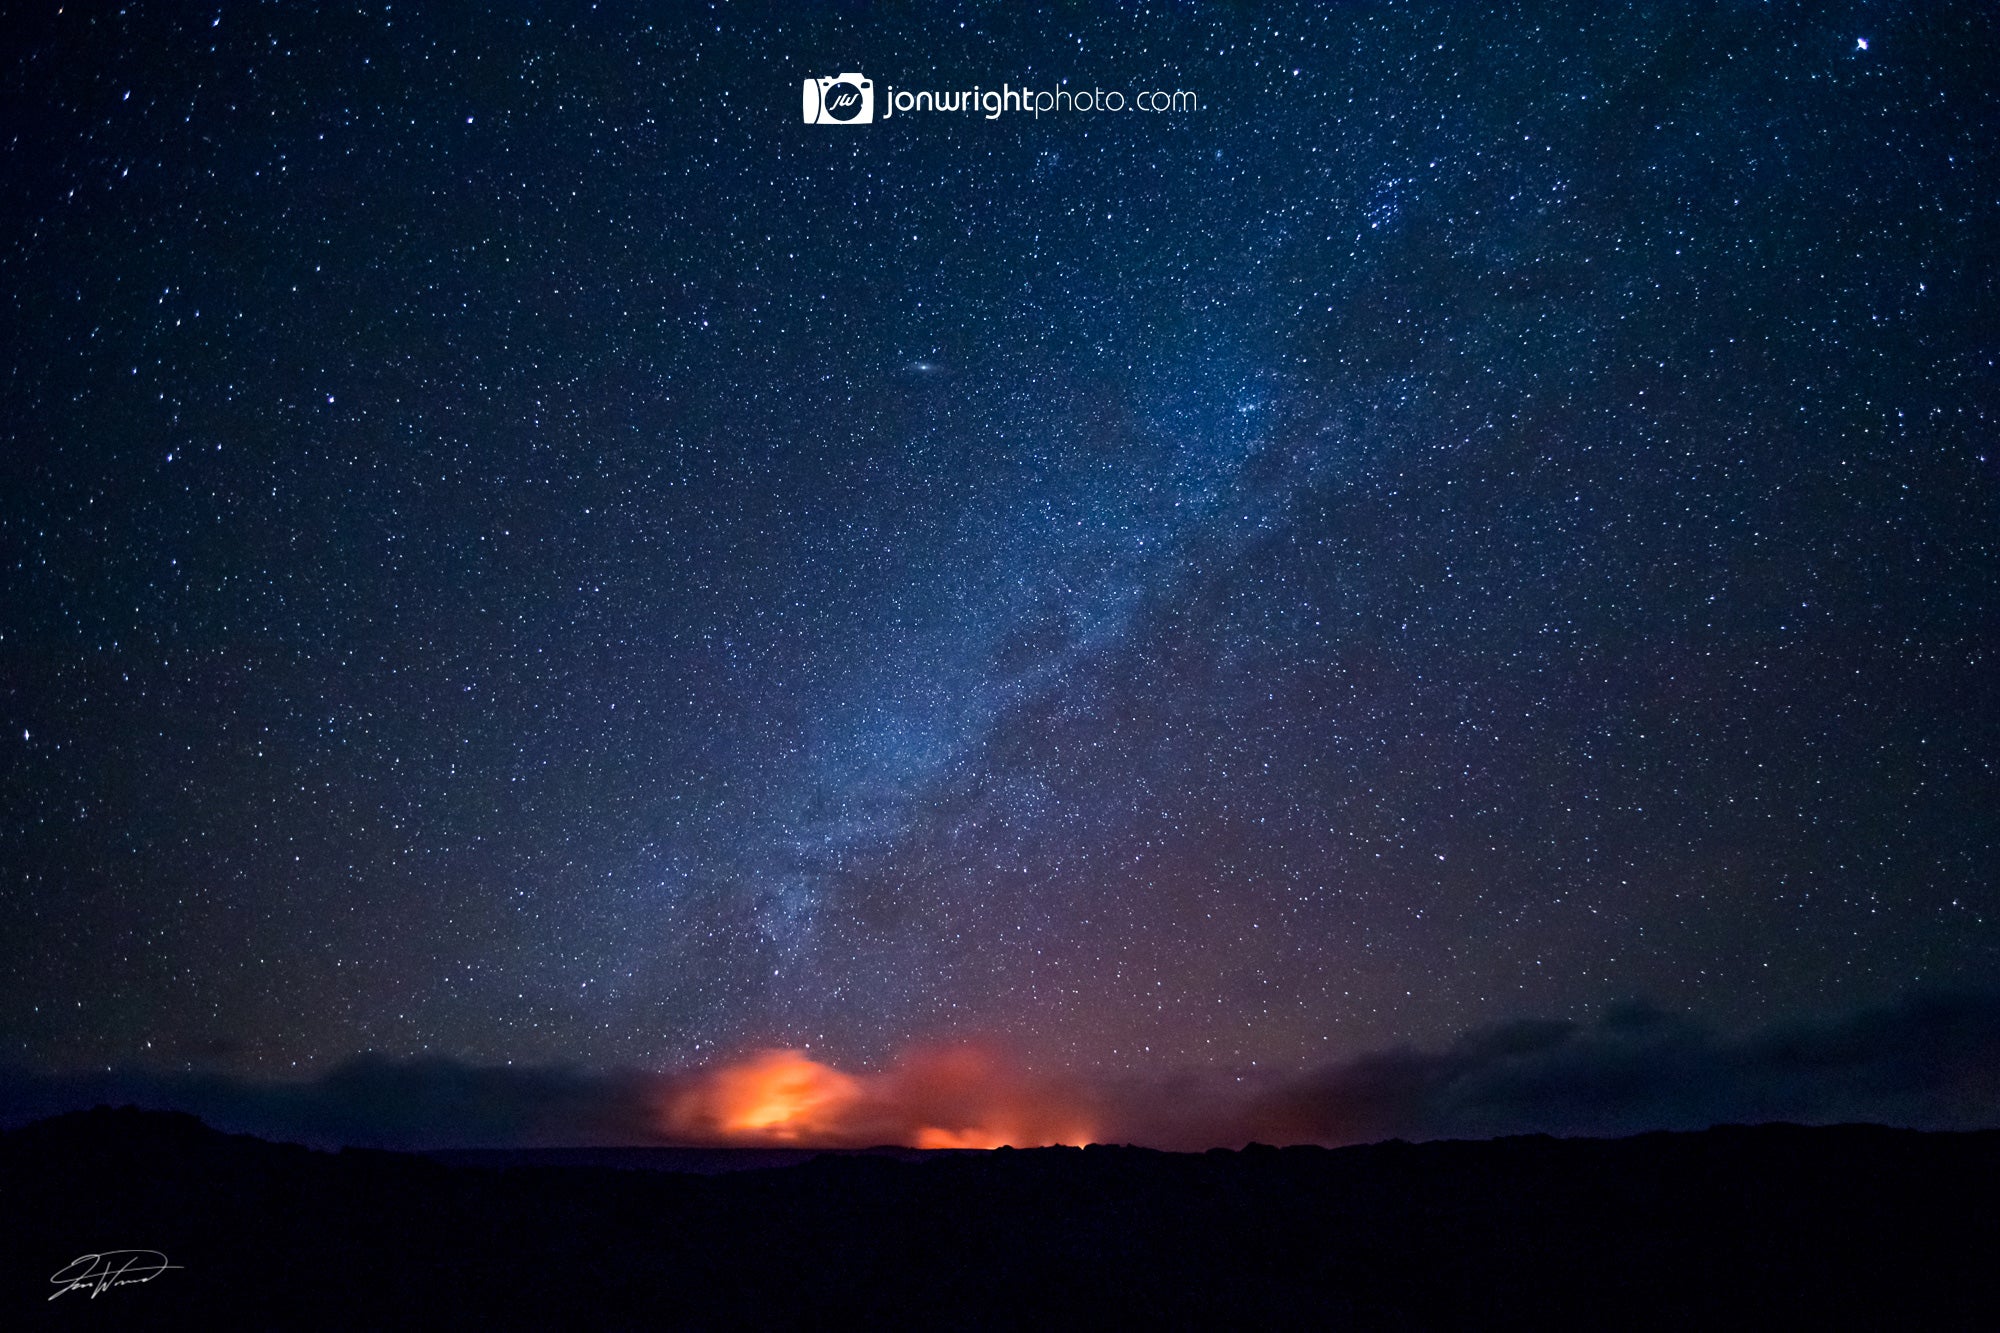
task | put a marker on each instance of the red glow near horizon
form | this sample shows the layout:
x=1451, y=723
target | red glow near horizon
x=961, y=1097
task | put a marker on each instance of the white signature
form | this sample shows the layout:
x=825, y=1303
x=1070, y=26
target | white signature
x=99, y=1273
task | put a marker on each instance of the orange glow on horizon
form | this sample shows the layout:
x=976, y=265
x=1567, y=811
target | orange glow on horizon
x=962, y=1097
x=781, y=1095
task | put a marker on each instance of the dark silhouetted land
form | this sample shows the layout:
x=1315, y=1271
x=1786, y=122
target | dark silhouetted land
x=1768, y=1227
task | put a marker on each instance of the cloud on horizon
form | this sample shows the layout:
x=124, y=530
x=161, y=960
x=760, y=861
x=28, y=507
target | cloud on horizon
x=1929, y=1061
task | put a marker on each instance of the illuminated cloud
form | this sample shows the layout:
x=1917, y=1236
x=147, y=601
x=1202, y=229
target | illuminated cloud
x=946, y=1097
x=1927, y=1062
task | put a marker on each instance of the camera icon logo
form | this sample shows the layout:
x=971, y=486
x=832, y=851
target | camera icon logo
x=840, y=99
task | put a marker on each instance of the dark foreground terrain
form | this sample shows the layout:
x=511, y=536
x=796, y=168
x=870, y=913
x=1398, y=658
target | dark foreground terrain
x=1770, y=1227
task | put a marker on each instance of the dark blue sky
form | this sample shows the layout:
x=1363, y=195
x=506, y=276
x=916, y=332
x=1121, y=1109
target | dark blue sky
x=517, y=548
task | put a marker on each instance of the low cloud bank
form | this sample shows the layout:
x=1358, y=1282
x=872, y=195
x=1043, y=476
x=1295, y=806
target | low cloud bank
x=1927, y=1062
x=372, y=1101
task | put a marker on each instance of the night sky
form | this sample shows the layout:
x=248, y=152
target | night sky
x=516, y=548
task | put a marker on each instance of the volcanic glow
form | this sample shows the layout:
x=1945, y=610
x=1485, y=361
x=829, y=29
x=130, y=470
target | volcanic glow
x=963, y=1097
x=781, y=1095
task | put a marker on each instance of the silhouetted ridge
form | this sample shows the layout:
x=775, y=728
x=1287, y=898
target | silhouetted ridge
x=1771, y=1226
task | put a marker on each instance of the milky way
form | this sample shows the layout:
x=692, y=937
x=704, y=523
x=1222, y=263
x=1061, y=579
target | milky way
x=519, y=549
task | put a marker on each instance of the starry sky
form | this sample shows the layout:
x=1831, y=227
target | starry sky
x=514, y=547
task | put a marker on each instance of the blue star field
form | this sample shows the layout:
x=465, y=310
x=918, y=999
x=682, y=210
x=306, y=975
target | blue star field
x=517, y=548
